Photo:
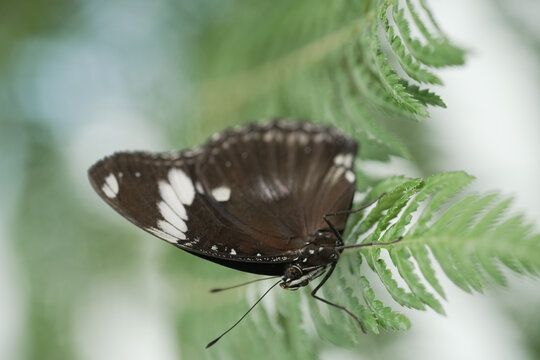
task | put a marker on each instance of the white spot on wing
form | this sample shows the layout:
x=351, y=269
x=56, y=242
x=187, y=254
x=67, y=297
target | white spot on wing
x=291, y=138
x=199, y=187
x=348, y=160
x=167, y=232
x=182, y=185
x=172, y=217
x=171, y=198
x=170, y=229
x=233, y=252
x=344, y=160
x=349, y=175
x=319, y=138
x=268, y=136
x=303, y=139
x=162, y=235
x=214, y=247
x=192, y=243
x=108, y=191
x=221, y=193
x=338, y=160
x=110, y=187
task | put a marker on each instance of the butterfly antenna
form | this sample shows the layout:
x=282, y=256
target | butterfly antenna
x=369, y=244
x=215, y=290
x=242, y=318
x=347, y=212
x=352, y=211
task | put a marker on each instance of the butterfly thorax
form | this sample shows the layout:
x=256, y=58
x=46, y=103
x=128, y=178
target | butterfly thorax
x=312, y=261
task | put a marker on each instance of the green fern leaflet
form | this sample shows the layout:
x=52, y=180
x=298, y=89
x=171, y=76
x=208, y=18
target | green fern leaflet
x=471, y=237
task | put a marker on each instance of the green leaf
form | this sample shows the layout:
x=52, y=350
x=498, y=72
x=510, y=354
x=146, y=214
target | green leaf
x=386, y=317
x=424, y=96
x=437, y=52
x=407, y=62
x=439, y=42
x=400, y=258
x=470, y=237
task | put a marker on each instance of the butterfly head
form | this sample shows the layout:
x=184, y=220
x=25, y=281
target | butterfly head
x=314, y=257
x=296, y=277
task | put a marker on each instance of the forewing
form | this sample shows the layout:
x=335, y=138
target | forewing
x=160, y=193
x=250, y=194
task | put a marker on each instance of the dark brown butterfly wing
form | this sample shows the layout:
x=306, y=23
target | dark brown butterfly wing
x=249, y=195
x=280, y=179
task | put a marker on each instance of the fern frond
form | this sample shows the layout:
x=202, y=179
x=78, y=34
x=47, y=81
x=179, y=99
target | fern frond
x=372, y=85
x=377, y=142
x=423, y=96
x=406, y=61
x=401, y=258
x=471, y=239
x=385, y=316
x=339, y=72
x=394, y=88
x=357, y=290
x=439, y=43
x=436, y=53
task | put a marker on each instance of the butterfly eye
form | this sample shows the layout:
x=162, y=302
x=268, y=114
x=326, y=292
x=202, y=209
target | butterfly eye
x=292, y=273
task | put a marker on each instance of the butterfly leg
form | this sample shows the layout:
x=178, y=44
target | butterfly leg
x=346, y=212
x=314, y=295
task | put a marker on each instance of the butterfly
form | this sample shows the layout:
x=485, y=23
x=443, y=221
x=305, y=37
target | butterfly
x=270, y=199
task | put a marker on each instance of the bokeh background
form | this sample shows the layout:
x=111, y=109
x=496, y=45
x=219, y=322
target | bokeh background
x=81, y=79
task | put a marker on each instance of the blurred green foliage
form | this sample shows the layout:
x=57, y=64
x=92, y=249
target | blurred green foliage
x=64, y=248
